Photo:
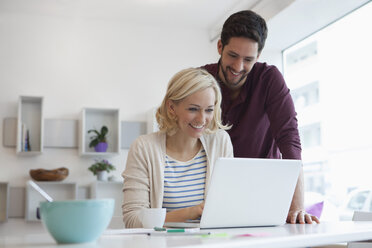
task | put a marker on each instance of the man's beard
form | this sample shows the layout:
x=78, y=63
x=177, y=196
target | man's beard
x=227, y=82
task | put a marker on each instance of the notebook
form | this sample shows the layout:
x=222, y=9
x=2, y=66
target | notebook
x=246, y=192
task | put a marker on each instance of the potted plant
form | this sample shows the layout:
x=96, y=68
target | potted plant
x=98, y=141
x=100, y=168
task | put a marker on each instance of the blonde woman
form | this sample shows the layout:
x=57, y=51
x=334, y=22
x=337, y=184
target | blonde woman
x=171, y=168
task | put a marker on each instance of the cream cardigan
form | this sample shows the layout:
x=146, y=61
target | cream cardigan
x=144, y=171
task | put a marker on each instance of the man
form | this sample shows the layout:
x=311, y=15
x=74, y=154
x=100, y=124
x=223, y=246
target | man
x=256, y=100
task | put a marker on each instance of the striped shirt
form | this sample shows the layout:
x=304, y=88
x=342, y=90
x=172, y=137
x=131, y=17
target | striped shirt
x=184, y=182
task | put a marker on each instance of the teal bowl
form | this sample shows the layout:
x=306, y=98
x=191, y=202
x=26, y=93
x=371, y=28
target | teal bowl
x=77, y=221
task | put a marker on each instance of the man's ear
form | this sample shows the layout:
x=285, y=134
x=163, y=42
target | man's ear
x=219, y=46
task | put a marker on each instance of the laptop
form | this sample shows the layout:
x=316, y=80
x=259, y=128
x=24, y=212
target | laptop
x=245, y=192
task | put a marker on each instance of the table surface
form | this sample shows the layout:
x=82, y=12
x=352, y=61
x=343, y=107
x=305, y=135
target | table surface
x=288, y=235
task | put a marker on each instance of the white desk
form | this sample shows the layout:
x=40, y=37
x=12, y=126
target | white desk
x=276, y=237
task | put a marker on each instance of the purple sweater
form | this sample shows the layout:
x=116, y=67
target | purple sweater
x=263, y=117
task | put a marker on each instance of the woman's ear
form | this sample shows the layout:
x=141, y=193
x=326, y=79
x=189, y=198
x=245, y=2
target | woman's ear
x=171, y=107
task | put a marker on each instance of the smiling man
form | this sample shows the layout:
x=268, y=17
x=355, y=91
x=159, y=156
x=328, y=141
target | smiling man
x=256, y=100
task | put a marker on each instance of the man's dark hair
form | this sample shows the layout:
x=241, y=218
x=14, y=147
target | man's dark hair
x=246, y=24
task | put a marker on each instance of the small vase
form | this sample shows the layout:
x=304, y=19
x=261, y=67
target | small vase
x=101, y=147
x=102, y=175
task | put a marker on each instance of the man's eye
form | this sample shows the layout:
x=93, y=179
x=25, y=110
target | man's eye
x=248, y=60
x=193, y=109
x=232, y=55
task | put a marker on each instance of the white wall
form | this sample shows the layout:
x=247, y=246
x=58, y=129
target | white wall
x=76, y=63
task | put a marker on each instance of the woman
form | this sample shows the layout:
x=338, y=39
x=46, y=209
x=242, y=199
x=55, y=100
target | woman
x=171, y=168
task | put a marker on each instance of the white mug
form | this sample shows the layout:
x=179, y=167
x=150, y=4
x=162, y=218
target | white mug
x=152, y=217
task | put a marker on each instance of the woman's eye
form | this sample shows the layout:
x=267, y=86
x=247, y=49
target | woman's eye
x=209, y=110
x=193, y=109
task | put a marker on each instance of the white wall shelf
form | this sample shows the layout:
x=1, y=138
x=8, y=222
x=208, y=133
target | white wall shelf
x=57, y=190
x=61, y=133
x=95, y=118
x=30, y=121
x=109, y=189
x=4, y=201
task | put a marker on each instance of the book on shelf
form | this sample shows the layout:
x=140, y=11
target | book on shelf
x=23, y=136
x=25, y=139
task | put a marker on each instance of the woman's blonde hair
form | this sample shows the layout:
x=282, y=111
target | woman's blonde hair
x=182, y=85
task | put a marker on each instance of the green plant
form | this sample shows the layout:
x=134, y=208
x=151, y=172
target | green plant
x=99, y=137
x=101, y=165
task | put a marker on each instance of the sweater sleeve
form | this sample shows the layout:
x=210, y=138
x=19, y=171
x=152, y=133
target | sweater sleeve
x=136, y=185
x=281, y=112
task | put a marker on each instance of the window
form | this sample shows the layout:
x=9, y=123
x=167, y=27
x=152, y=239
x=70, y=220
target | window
x=306, y=95
x=314, y=179
x=329, y=75
x=358, y=200
x=310, y=135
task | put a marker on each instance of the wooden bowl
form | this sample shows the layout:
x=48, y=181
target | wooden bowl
x=49, y=175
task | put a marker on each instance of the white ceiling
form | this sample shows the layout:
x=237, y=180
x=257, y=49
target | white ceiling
x=289, y=20
x=206, y=14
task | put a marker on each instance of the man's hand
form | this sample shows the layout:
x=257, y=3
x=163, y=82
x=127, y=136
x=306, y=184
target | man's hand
x=300, y=216
x=297, y=213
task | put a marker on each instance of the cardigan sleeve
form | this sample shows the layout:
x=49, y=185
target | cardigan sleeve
x=228, y=148
x=218, y=145
x=136, y=185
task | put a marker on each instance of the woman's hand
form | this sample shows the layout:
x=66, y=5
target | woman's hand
x=196, y=211
x=181, y=215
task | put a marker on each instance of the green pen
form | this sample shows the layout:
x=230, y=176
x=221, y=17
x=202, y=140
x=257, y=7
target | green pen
x=179, y=232
x=159, y=229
